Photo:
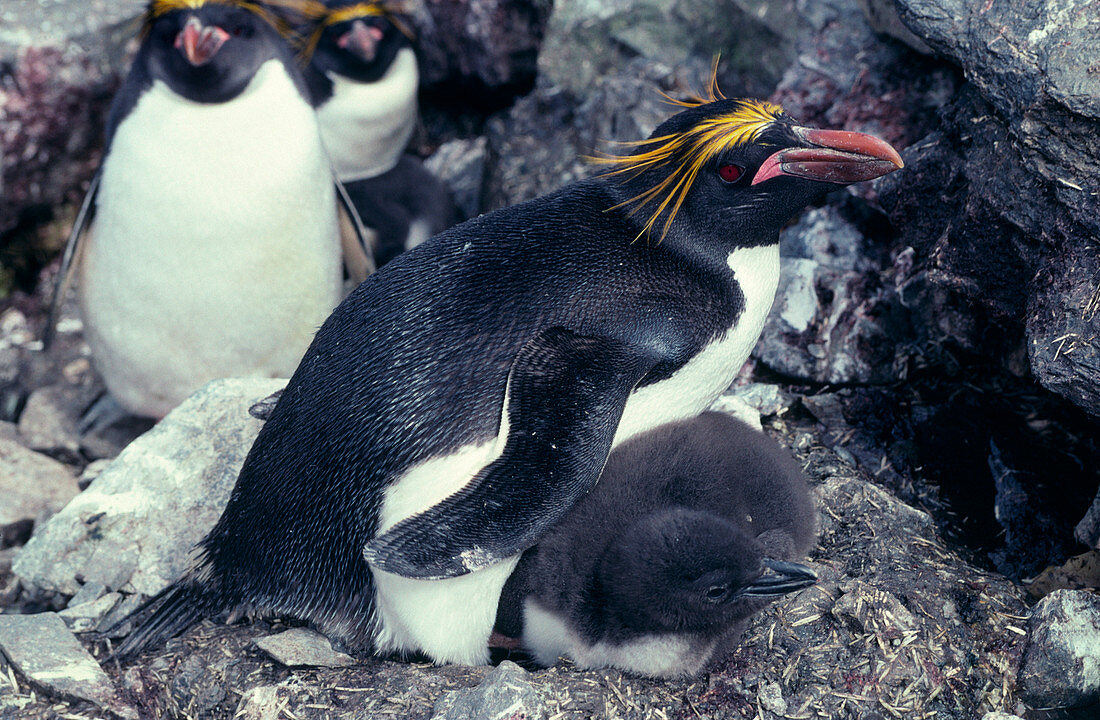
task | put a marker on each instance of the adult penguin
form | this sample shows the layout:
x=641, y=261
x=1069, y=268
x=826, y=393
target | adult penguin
x=459, y=402
x=363, y=77
x=209, y=242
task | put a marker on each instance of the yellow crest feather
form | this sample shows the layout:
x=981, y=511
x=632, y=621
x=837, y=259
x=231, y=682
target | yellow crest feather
x=302, y=8
x=333, y=16
x=684, y=154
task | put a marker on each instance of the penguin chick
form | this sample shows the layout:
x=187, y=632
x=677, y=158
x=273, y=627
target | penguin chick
x=456, y=405
x=657, y=570
x=402, y=207
x=208, y=244
x=363, y=77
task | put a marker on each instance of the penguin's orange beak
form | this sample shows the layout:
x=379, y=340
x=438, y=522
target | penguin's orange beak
x=838, y=156
x=199, y=42
x=361, y=40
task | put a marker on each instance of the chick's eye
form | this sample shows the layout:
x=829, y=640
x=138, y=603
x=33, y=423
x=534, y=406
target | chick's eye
x=730, y=173
x=716, y=592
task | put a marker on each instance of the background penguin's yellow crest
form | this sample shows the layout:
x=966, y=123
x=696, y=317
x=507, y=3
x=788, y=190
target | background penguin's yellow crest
x=683, y=155
x=333, y=16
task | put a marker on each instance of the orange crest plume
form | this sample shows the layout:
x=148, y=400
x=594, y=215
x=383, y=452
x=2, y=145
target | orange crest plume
x=302, y=8
x=333, y=16
x=683, y=155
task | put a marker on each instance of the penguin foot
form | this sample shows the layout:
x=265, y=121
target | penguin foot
x=262, y=410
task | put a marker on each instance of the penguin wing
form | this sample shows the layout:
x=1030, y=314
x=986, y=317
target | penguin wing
x=70, y=259
x=564, y=399
x=354, y=237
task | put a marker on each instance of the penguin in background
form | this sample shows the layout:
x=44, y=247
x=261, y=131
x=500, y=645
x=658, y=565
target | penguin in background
x=209, y=242
x=459, y=402
x=363, y=78
x=691, y=530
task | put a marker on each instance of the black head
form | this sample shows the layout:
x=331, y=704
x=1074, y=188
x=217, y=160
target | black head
x=358, y=40
x=682, y=570
x=209, y=50
x=737, y=171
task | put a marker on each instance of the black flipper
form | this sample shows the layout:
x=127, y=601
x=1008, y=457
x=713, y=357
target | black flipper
x=355, y=239
x=565, y=397
x=70, y=260
x=167, y=614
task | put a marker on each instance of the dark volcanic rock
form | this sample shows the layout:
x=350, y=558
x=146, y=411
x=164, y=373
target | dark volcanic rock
x=481, y=44
x=59, y=65
x=1018, y=229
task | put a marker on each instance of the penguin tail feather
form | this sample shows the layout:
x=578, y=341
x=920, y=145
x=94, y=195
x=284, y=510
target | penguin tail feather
x=166, y=615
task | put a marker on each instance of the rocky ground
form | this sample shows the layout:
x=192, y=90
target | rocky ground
x=932, y=359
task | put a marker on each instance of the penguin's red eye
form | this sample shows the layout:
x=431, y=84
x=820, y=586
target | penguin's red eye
x=730, y=173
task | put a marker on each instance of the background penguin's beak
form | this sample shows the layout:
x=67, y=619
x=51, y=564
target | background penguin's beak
x=361, y=40
x=838, y=156
x=779, y=578
x=199, y=42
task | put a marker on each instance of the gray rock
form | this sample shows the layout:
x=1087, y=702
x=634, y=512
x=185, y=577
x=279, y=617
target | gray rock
x=461, y=165
x=832, y=322
x=61, y=62
x=541, y=142
x=488, y=43
x=587, y=40
x=33, y=487
x=1000, y=716
x=133, y=527
x=1060, y=667
x=883, y=17
x=49, y=422
x=87, y=616
x=302, y=646
x=504, y=694
x=47, y=654
x=1088, y=530
x=766, y=399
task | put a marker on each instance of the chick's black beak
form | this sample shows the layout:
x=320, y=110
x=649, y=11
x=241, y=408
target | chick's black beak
x=361, y=40
x=199, y=42
x=780, y=578
x=838, y=156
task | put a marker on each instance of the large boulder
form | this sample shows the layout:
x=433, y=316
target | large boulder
x=1016, y=223
x=132, y=527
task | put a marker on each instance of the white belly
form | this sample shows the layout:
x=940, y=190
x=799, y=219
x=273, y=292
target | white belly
x=366, y=126
x=548, y=637
x=214, y=250
x=452, y=619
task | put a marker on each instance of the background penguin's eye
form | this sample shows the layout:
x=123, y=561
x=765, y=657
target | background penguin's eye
x=730, y=173
x=238, y=31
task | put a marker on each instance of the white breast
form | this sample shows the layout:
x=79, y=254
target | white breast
x=215, y=249
x=451, y=620
x=547, y=636
x=366, y=126
x=693, y=387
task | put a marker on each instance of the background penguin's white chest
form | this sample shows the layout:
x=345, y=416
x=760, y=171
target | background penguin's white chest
x=366, y=126
x=215, y=249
